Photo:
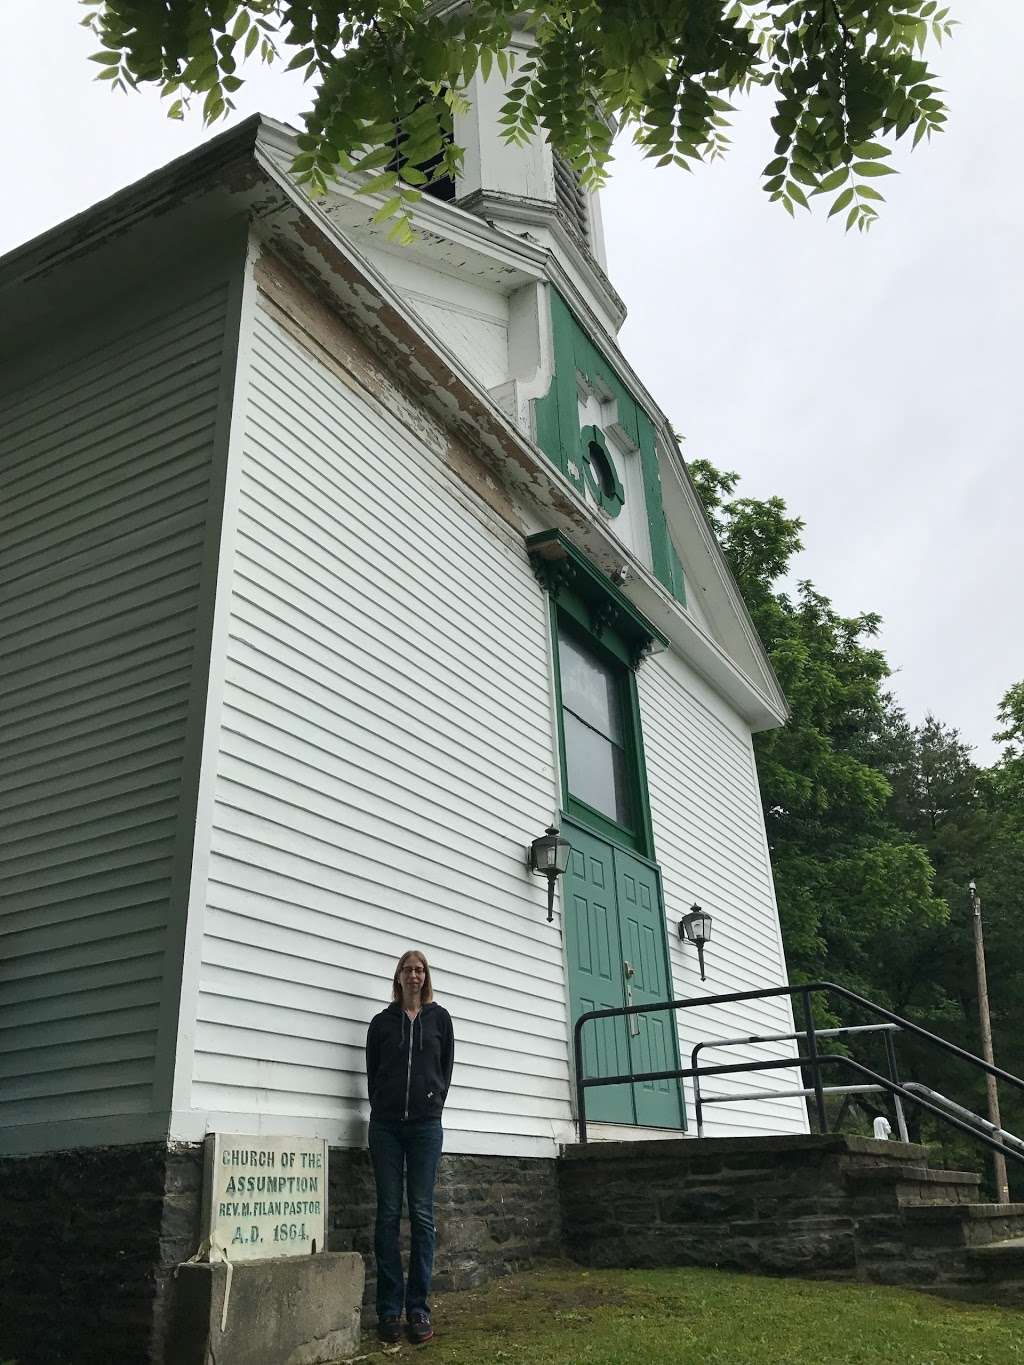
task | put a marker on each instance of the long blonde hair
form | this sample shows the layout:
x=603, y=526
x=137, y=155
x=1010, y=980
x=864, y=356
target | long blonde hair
x=427, y=993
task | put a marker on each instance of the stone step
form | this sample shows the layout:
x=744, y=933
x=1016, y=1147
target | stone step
x=964, y=1225
x=1003, y=1256
x=766, y=1152
x=1001, y=1265
x=912, y=1184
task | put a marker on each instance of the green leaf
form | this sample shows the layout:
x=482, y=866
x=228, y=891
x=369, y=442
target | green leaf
x=872, y=168
x=805, y=176
x=301, y=58
x=775, y=167
x=402, y=232
x=833, y=181
x=841, y=202
x=387, y=210
x=871, y=151
x=869, y=192
x=106, y=58
x=380, y=184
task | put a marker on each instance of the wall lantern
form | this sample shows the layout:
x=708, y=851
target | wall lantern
x=549, y=857
x=696, y=928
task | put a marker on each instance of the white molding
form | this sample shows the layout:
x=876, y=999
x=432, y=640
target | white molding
x=192, y=955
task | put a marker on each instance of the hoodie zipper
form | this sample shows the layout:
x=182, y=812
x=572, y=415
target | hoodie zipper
x=408, y=1070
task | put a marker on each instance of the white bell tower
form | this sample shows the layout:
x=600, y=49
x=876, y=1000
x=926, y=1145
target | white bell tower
x=525, y=189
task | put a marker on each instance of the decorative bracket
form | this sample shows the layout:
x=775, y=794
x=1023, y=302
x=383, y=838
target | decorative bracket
x=560, y=567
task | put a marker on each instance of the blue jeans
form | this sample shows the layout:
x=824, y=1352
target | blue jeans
x=404, y=1153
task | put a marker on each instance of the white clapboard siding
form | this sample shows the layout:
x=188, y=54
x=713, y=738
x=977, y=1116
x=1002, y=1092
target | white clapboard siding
x=105, y=459
x=385, y=757
x=710, y=842
x=480, y=342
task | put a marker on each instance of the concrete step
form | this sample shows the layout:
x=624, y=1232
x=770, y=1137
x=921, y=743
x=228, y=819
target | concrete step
x=913, y=1184
x=1001, y=1265
x=963, y=1225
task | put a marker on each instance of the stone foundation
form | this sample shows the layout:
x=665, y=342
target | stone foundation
x=494, y=1215
x=89, y=1240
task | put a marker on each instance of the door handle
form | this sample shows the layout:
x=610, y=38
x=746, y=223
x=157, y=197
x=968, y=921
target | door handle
x=629, y=971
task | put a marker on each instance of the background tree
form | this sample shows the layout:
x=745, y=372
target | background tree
x=876, y=826
x=847, y=76
x=851, y=885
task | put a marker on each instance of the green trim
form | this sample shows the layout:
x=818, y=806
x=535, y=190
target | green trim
x=638, y=839
x=611, y=502
x=557, y=426
x=570, y=577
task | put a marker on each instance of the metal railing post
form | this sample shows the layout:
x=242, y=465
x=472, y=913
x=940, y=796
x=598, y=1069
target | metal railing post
x=581, y=1093
x=812, y=1049
x=894, y=1075
x=698, y=1103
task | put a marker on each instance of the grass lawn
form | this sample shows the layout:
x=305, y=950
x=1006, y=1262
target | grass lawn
x=567, y=1316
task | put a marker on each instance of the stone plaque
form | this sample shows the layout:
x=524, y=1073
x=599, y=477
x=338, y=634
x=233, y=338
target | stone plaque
x=265, y=1196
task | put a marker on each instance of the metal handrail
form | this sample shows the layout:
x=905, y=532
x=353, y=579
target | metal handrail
x=700, y=1099
x=812, y=1060
x=985, y=1125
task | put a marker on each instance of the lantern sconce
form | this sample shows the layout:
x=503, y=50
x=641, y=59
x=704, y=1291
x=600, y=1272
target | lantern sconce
x=549, y=857
x=696, y=928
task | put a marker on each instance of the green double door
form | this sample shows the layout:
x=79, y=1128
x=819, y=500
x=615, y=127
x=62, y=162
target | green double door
x=617, y=955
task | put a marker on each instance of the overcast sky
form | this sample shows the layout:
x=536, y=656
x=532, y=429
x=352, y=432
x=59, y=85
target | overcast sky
x=872, y=381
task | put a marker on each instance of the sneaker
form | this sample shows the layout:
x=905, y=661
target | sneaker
x=420, y=1330
x=389, y=1330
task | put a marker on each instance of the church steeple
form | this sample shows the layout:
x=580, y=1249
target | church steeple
x=527, y=189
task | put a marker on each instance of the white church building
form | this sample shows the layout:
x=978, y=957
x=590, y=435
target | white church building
x=332, y=572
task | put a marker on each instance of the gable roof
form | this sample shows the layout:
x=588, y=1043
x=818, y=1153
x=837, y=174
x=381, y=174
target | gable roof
x=241, y=171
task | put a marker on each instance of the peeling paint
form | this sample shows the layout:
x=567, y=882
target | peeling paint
x=316, y=325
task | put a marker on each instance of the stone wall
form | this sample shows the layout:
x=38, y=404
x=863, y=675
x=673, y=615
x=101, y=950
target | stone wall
x=88, y=1240
x=818, y=1206
x=493, y=1214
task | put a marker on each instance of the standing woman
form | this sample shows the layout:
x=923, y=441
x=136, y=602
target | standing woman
x=410, y=1052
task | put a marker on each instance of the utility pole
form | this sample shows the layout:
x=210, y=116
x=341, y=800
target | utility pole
x=998, y=1160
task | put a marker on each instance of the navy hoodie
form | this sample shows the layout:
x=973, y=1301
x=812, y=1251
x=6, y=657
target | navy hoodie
x=409, y=1062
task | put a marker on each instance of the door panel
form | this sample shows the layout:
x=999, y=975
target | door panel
x=651, y=1036
x=595, y=971
x=615, y=939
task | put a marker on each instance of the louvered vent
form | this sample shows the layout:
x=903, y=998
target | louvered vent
x=444, y=188
x=571, y=200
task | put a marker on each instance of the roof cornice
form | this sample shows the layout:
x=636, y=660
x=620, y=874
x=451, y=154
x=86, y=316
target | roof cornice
x=183, y=178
